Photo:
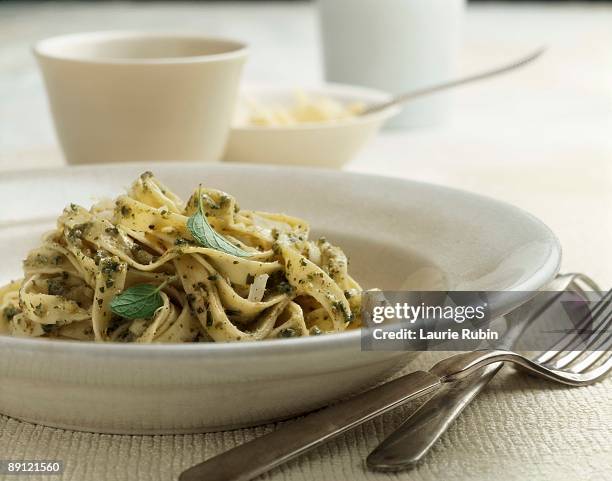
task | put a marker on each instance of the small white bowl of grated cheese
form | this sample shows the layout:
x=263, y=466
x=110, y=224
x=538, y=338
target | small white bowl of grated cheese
x=320, y=126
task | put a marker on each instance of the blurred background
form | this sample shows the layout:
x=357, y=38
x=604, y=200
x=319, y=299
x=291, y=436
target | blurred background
x=286, y=48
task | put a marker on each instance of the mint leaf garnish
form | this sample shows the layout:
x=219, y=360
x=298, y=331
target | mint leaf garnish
x=206, y=236
x=138, y=302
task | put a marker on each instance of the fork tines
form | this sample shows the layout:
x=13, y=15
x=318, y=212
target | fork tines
x=578, y=354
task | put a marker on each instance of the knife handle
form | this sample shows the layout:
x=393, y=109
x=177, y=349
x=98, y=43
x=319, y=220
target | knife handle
x=413, y=439
x=255, y=457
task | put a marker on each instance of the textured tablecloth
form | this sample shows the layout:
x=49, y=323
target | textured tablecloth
x=519, y=428
x=540, y=139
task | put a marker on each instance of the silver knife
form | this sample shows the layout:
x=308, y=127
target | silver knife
x=407, y=445
x=251, y=459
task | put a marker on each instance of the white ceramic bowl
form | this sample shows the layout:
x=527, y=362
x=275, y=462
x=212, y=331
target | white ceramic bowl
x=398, y=234
x=139, y=96
x=323, y=144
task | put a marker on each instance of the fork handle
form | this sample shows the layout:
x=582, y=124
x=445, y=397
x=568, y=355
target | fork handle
x=253, y=458
x=413, y=439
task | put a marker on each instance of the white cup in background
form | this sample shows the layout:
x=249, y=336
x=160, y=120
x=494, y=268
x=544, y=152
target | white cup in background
x=134, y=96
x=396, y=46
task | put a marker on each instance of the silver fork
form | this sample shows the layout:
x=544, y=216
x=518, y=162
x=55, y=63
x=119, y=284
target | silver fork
x=575, y=368
x=410, y=442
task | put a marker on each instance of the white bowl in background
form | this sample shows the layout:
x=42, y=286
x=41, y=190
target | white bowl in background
x=323, y=144
x=398, y=235
x=122, y=96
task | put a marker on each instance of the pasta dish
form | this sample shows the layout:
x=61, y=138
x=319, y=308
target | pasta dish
x=148, y=267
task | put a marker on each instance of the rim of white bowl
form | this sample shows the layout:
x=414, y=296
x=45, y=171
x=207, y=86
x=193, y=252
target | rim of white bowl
x=333, y=90
x=269, y=346
x=52, y=47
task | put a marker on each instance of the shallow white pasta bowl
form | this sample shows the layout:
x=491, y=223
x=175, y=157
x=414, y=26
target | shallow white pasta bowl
x=324, y=144
x=398, y=234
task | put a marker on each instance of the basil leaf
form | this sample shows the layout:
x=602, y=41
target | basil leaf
x=138, y=302
x=206, y=236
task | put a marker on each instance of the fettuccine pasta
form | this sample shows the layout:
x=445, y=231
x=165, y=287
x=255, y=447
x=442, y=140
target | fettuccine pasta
x=145, y=268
